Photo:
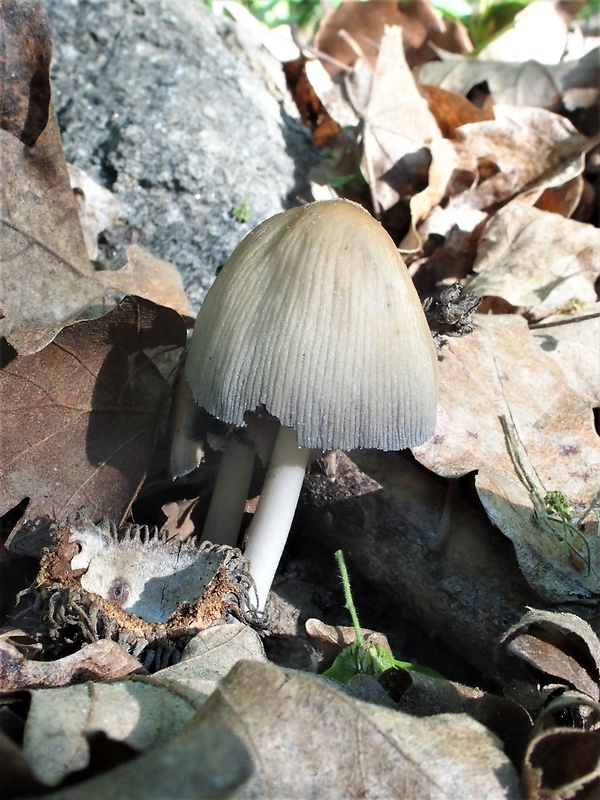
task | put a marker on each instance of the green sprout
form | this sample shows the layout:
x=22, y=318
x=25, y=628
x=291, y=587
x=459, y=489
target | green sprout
x=557, y=511
x=241, y=211
x=363, y=658
x=552, y=510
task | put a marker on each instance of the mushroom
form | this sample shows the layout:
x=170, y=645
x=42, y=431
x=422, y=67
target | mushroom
x=314, y=320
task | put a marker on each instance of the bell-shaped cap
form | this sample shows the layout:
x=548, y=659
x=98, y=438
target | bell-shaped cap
x=315, y=319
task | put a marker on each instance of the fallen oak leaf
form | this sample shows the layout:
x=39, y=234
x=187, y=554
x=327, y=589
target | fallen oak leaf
x=93, y=396
x=146, y=276
x=572, y=341
x=45, y=274
x=541, y=149
x=536, y=260
x=522, y=444
x=240, y=741
x=398, y=124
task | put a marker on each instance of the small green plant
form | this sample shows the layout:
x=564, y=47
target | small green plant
x=362, y=657
x=557, y=511
x=241, y=211
x=552, y=510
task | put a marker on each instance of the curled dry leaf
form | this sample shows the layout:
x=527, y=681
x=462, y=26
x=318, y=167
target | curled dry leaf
x=558, y=648
x=78, y=420
x=537, y=260
x=523, y=444
x=452, y=110
x=44, y=271
x=98, y=661
x=45, y=274
x=136, y=587
x=563, y=763
x=424, y=695
x=312, y=111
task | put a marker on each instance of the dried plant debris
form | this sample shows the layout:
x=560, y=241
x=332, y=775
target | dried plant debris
x=452, y=314
x=138, y=588
x=99, y=661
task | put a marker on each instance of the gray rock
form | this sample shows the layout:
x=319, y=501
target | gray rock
x=160, y=102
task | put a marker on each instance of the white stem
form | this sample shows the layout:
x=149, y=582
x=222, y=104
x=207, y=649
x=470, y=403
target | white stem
x=229, y=496
x=272, y=521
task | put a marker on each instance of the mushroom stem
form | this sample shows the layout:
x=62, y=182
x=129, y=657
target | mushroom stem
x=229, y=496
x=268, y=531
x=186, y=452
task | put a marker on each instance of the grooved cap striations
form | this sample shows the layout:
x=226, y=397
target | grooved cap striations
x=315, y=317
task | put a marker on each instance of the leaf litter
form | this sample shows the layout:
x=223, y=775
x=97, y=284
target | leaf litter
x=476, y=182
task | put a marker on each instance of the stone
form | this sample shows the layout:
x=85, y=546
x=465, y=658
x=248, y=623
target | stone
x=164, y=104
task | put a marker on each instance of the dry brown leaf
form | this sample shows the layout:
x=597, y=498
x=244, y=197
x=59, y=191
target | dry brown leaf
x=539, y=148
x=24, y=70
x=453, y=110
x=98, y=661
x=537, y=260
x=444, y=160
x=505, y=410
x=44, y=271
x=563, y=200
x=146, y=276
x=558, y=648
x=364, y=23
x=45, y=274
x=78, y=419
x=572, y=83
x=134, y=715
x=398, y=124
x=312, y=111
x=98, y=208
x=563, y=764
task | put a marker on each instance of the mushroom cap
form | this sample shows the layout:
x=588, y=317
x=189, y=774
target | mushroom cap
x=315, y=319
